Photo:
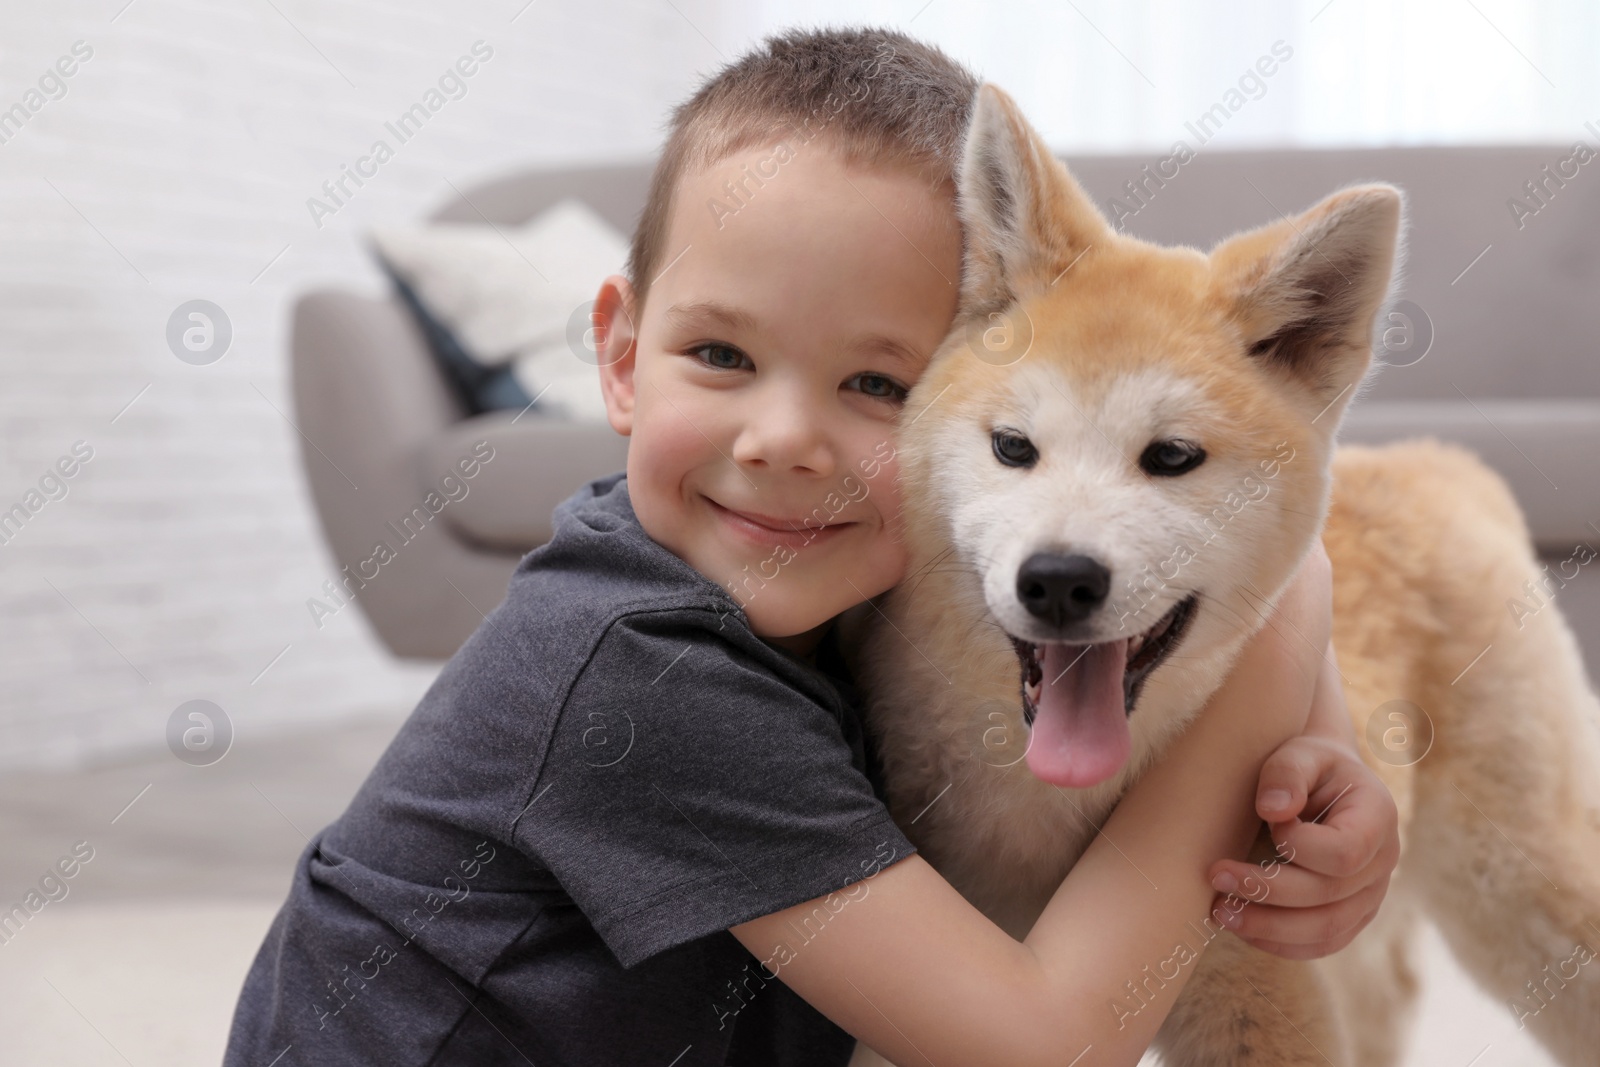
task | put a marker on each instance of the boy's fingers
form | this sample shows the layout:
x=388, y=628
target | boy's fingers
x=1288, y=779
x=1347, y=838
x=1289, y=886
x=1301, y=952
x=1315, y=927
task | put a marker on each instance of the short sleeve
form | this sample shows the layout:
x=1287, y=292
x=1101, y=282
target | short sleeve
x=688, y=787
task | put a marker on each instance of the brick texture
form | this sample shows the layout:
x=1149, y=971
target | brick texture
x=176, y=166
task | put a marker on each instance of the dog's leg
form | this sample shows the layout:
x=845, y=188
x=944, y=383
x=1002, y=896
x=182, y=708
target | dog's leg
x=1506, y=837
x=1245, y=1008
x=1376, y=983
x=1514, y=887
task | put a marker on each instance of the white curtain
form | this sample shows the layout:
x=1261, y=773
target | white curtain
x=1109, y=76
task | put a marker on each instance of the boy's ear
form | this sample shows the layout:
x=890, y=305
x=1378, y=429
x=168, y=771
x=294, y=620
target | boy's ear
x=1305, y=291
x=1024, y=217
x=614, y=338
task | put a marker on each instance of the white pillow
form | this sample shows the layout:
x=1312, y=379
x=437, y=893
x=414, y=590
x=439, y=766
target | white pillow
x=509, y=294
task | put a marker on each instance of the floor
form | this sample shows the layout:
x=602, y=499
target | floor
x=140, y=963
x=141, y=960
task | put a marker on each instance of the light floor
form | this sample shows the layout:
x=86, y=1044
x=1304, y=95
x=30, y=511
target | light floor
x=154, y=982
x=140, y=964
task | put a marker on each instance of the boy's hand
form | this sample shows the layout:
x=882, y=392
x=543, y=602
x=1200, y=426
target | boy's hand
x=1338, y=834
x=1337, y=830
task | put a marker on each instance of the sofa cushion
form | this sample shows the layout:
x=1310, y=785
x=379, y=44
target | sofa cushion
x=506, y=308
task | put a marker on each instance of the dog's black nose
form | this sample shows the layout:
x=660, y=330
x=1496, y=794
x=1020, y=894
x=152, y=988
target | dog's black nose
x=1061, y=589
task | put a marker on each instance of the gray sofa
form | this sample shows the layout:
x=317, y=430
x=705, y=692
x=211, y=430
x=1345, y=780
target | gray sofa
x=1512, y=371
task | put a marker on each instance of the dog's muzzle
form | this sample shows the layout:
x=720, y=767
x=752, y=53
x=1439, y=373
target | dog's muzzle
x=1146, y=652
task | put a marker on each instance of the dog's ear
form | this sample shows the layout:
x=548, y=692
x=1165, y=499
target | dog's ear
x=1024, y=217
x=1306, y=291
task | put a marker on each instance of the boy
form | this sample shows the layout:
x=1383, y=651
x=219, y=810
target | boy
x=641, y=790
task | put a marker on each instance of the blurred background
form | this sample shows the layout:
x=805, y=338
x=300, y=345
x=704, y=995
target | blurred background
x=238, y=342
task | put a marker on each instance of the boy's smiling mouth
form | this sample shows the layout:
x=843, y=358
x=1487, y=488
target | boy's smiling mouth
x=774, y=530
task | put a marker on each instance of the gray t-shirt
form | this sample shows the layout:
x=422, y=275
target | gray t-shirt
x=543, y=866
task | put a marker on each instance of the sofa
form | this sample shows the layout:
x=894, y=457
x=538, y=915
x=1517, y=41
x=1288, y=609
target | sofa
x=1494, y=347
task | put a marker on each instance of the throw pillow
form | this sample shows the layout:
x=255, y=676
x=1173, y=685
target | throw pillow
x=505, y=308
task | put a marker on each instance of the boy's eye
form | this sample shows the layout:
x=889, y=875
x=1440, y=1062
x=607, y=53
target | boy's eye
x=881, y=386
x=723, y=357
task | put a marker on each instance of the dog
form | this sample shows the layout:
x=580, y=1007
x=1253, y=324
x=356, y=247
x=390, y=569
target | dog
x=1110, y=470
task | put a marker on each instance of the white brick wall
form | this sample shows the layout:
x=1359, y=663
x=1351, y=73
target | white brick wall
x=179, y=562
x=178, y=164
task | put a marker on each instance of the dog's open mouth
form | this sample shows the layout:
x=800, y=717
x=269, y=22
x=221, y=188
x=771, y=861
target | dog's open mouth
x=1077, y=698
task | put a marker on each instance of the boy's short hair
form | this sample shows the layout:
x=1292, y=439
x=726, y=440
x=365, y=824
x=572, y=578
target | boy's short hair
x=879, y=96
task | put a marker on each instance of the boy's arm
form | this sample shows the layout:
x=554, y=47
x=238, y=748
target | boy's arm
x=916, y=972
x=1337, y=827
x=1330, y=717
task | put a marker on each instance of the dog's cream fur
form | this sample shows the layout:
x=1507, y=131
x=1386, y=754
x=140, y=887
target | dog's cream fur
x=1254, y=350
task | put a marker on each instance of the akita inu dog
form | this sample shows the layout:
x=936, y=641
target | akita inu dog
x=1110, y=470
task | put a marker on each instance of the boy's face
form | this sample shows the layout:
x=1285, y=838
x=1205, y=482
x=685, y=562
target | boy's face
x=762, y=381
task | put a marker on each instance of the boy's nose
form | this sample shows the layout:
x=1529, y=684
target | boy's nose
x=783, y=440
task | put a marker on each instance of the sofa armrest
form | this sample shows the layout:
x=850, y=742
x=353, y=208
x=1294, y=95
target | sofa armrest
x=369, y=401
x=538, y=462
x=367, y=398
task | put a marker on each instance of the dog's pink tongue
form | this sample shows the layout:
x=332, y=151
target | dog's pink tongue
x=1080, y=731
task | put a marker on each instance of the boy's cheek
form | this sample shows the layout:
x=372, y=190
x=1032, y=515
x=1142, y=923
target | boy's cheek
x=880, y=460
x=672, y=435
x=882, y=479
x=892, y=567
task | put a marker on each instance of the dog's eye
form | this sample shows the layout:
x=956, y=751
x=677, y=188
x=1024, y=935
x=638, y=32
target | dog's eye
x=1013, y=449
x=1172, y=457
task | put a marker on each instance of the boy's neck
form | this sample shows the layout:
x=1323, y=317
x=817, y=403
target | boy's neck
x=803, y=645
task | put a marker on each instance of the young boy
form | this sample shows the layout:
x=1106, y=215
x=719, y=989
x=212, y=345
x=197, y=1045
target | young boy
x=641, y=791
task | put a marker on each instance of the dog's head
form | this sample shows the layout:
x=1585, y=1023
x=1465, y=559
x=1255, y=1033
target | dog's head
x=1127, y=446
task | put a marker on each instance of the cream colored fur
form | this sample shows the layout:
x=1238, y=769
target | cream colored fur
x=1500, y=818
